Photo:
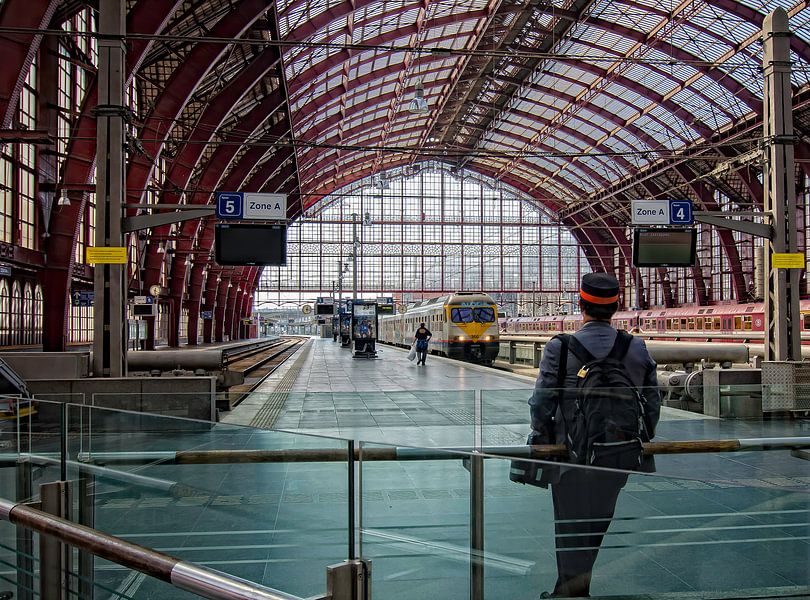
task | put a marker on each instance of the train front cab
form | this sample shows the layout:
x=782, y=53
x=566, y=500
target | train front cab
x=472, y=333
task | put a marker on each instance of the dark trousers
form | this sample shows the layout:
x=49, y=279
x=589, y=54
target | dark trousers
x=584, y=501
x=421, y=355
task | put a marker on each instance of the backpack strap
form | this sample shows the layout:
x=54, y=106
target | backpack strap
x=562, y=368
x=620, y=346
x=580, y=351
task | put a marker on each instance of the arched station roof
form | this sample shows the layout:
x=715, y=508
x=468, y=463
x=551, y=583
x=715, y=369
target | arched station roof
x=583, y=104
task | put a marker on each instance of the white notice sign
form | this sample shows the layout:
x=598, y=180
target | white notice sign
x=650, y=212
x=270, y=207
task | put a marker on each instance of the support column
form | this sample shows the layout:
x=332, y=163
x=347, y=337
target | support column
x=782, y=326
x=109, y=332
x=219, y=311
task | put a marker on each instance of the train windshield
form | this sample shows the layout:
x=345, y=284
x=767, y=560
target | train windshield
x=461, y=315
x=479, y=314
x=485, y=314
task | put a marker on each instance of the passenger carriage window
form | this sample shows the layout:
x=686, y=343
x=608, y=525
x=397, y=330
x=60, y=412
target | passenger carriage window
x=737, y=322
x=807, y=321
x=700, y=322
x=669, y=323
x=747, y=323
x=716, y=322
x=691, y=324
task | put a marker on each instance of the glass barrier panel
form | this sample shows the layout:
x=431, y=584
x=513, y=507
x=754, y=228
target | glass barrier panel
x=415, y=523
x=743, y=533
x=270, y=507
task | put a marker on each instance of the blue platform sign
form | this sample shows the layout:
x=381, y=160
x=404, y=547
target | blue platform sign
x=680, y=212
x=207, y=314
x=230, y=205
x=82, y=297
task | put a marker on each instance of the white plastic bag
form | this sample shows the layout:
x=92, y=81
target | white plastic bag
x=412, y=353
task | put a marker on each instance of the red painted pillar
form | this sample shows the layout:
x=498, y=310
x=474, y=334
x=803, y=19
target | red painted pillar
x=219, y=311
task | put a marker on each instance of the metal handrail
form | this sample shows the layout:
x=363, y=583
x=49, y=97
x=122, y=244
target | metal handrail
x=406, y=453
x=196, y=579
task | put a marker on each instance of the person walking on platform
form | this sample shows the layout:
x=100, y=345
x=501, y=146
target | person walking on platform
x=422, y=337
x=597, y=392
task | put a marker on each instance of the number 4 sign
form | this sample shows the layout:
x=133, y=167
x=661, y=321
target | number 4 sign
x=680, y=212
x=229, y=205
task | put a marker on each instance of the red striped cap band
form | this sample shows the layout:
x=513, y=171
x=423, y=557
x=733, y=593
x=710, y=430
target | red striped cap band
x=596, y=299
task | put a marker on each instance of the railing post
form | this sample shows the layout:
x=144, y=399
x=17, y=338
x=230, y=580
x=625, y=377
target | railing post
x=537, y=355
x=350, y=580
x=25, y=537
x=477, y=506
x=86, y=517
x=512, y=352
x=55, y=557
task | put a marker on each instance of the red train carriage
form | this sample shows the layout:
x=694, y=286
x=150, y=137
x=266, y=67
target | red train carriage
x=719, y=323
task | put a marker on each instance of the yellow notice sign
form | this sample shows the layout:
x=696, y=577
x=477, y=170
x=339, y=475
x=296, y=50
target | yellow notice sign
x=794, y=260
x=106, y=255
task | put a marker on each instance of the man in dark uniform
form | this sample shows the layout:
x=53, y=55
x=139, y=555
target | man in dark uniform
x=584, y=498
x=422, y=337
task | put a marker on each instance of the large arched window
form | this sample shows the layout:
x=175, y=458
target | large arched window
x=426, y=232
x=5, y=313
x=28, y=315
x=16, y=313
x=38, y=312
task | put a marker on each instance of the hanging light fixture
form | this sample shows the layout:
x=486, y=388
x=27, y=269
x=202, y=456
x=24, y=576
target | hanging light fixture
x=419, y=105
x=161, y=248
x=64, y=199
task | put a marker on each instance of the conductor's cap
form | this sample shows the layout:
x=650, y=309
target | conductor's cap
x=599, y=288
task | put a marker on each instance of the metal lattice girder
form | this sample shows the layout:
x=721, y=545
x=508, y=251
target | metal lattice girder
x=215, y=113
x=78, y=171
x=20, y=49
x=179, y=89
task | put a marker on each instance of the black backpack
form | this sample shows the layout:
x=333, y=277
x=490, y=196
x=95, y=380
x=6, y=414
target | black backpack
x=608, y=423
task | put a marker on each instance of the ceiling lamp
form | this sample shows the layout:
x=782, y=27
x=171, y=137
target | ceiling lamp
x=419, y=105
x=161, y=249
x=64, y=199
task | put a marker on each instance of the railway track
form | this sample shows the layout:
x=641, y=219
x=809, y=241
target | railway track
x=255, y=364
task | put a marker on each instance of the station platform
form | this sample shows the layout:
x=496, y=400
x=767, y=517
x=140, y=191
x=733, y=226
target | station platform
x=322, y=390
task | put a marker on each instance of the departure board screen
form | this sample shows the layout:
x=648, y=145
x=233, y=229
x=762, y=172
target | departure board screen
x=664, y=247
x=249, y=244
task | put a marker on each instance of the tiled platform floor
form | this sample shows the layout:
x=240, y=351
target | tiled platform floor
x=392, y=400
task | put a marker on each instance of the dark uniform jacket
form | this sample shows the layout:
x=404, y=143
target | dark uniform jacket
x=598, y=338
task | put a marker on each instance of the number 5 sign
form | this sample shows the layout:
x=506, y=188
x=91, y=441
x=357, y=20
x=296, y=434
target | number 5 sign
x=229, y=205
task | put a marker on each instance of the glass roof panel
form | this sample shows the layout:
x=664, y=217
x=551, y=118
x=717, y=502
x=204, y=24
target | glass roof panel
x=698, y=43
x=721, y=95
x=705, y=111
x=650, y=78
x=612, y=42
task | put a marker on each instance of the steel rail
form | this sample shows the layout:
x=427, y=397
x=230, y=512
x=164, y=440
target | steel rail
x=202, y=581
x=173, y=488
x=403, y=453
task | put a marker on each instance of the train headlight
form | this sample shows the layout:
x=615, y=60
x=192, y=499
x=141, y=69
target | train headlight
x=488, y=338
x=460, y=338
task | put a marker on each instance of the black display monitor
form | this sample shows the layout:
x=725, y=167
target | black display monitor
x=324, y=309
x=663, y=247
x=250, y=244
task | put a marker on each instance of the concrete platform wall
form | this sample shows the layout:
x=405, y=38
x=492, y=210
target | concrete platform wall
x=188, y=397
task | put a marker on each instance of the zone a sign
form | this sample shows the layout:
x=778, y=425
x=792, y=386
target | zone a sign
x=662, y=212
x=251, y=206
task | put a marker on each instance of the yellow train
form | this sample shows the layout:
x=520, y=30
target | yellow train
x=464, y=326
